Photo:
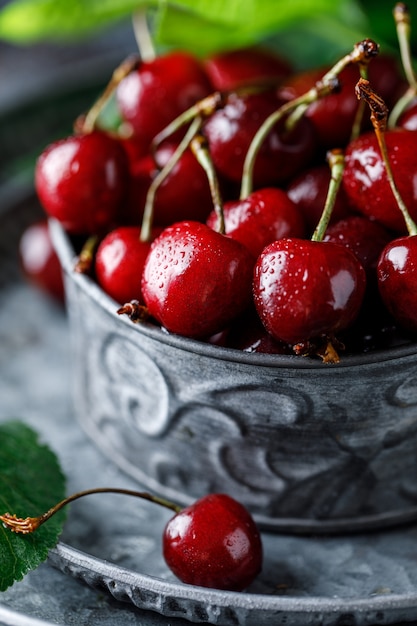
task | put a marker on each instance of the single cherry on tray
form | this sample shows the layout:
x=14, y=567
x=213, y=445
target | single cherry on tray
x=214, y=542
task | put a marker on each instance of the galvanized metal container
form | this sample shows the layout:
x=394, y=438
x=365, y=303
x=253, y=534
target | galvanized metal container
x=307, y=447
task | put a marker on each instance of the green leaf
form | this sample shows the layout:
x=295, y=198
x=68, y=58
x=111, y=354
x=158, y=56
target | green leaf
x=31, y=481
x=201, y=26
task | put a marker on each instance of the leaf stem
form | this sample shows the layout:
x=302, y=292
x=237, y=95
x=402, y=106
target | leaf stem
x=30, y=524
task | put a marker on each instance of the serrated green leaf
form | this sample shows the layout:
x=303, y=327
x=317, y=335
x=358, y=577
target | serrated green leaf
x=31, y=481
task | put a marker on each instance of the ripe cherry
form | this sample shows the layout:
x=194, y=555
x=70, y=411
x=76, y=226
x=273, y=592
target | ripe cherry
x=159, y=90
x=308, y=191
x=333, y=117
x=264, y=216
x=366, y=238
x=231, y=129
x=211, y=543
x=82, y=181
x=244, y=67
x=397, y=266
x=214, y=543
x=196, y=280
x=365, y=179
x=119, y=263
x=305, y=289
x=39, y=261
x=397, y=279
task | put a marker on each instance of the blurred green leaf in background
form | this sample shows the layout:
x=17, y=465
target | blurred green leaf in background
x=307, y=31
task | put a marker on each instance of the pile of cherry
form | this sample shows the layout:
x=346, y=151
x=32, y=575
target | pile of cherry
x=247, y=205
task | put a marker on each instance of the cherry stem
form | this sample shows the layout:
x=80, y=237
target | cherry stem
x=87, y=123
x=199, y=146
x=379, y=116
x=147, y=220
x=143, y=36
x=403, y=23
x=362, y=54
x=30, y=524
x=85, y=259
x=336, y=161
x=202, y=109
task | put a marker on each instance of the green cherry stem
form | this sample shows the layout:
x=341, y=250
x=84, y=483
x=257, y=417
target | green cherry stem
x=142, y=35
x=147, y=220
x=30, y=524
x=403, y=23
x=199, y=146
x=336, y=161
x=202, y=109
x=87, y=123
x=379, y=116
x=362, y=54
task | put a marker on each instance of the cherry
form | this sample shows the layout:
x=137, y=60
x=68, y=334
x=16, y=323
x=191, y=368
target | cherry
x=365, y=179
x=397, y=265
x=119, y=263
x=185, y=192
x=333, y=117
x=196, y=280
x=213, y=542
x=159, y=90
x=397, y=278
x=264, y=216
x=305, y=289
x=82, y=181
x=308, y=191
x=39, y=260
x=366, y=239
x=231, y=129
x=233, y=69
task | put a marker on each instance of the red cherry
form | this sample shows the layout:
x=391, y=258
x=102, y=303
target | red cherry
x=196, y=280
x=214, y=543
x=365, y=179
x=305, y=289
x=264, y=216
x=152, y=96
x=82, y=181
x=408, y=119
x=243, y=67
x=185, y=193
x=333, y=116
x=119, y=263
x=308, y=191
x=397, y=279
x=366, y=239
x=230, y=131
x=39, y=260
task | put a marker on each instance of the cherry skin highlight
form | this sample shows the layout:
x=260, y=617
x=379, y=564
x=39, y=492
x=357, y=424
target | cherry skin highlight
x=214, y=543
